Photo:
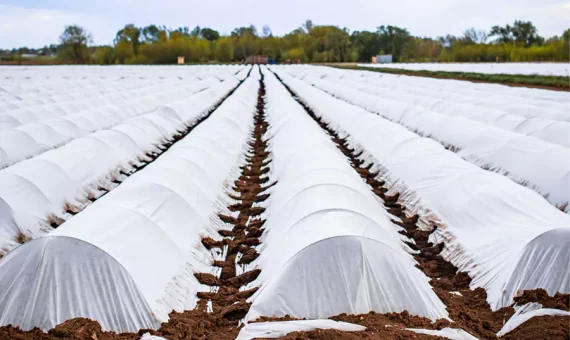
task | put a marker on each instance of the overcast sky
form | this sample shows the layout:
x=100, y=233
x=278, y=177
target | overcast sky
x=35, y=23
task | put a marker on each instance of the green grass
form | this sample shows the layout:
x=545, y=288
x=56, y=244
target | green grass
x=554, y=82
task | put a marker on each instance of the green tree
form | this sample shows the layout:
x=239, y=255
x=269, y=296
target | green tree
x=367, y=44
x=74, y=45
x=131, y=34
x=522, y=32
x=224, y=50
x=123, y=52
x=210, y=34
x=393, y=39
x=104, y=55
x=151, y=33
x=473, y=36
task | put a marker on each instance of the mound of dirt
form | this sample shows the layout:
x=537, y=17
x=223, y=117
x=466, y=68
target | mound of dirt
x=558, y=301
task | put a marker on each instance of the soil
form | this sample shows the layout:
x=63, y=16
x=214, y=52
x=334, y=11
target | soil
x=76, y=329
x=229, y=304
x=378, y=326
x=558, y=301
x=542, y=327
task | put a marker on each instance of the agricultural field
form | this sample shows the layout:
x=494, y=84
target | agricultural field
x=543, y=69
x=302, y=202
x=549, y=76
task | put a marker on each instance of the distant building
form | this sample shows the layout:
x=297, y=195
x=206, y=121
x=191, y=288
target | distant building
x=257, y=59
x=28, y=55
x=180, y=60
x=382, y=59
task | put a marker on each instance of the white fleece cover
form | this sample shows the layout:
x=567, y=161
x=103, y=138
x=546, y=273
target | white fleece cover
x=493, y=228
x=151, y=226
x=282, y=328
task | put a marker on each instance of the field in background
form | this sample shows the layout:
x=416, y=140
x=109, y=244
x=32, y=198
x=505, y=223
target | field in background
x=514, y=74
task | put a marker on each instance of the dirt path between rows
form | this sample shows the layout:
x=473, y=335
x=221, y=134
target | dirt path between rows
x=228, y=297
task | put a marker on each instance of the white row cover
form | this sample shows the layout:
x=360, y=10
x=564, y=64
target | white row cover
x=494, y=229
x=68, y=96
x=540, y=165
x=329, y=245
x=34, y=137
x=448, y=333
x=539, y=121
x=39, y=187
x=547, y=69
x=41, y=86
x=527, y=312
x=519, y=101
x=279, y=329
x=147, y=232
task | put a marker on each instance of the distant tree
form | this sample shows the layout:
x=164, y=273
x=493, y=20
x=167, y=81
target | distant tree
x=448, y=40
x=307, y=26
x=151, y=33
x=123, y=51
x=266, y=31
x=210, y=34
x=131, y=34
x=196, y=31
x=328, y=44
x=474, y=36
x=74, y=45
x=526, y=33
x=367, y=44
x=182, y=31
x=393, y=39
x=245, y=31
x=522, y=32
x=104, y=55
x=224, y=50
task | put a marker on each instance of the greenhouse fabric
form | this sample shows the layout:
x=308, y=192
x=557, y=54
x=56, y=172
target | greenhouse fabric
x=151, y=223
x=324, y=224
x=69, y=173
x=487, y=222
x=44, y=283
x=491, y=147
x=527, y=312
x=449, y=333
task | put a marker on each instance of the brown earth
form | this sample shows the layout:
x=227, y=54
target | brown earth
x=229, y=303
x=542, y=327
x=558, y=301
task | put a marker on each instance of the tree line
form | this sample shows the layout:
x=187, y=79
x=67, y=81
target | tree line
x=311, y=43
